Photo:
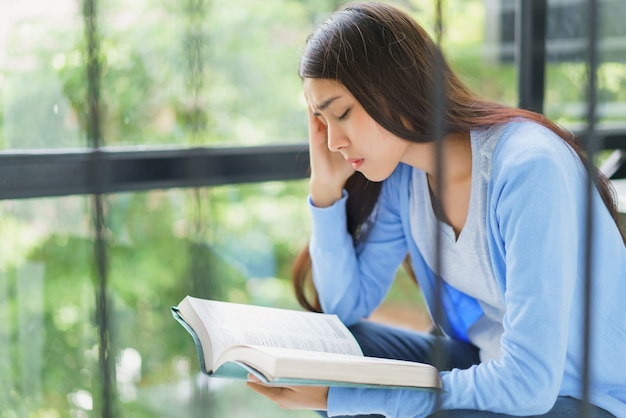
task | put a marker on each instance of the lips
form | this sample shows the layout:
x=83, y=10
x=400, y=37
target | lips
x=356, y=162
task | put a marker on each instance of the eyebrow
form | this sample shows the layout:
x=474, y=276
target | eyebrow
x=327, y=102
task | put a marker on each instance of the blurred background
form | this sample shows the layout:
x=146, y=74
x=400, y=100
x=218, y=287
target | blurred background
x=151, y=149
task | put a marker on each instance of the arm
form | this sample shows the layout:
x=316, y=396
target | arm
x=348, y=284
x=352, y=282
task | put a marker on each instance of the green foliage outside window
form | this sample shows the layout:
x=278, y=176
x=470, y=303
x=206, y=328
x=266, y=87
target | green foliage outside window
x=177, y=74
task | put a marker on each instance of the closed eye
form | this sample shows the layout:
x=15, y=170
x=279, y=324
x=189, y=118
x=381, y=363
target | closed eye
x=344, y=115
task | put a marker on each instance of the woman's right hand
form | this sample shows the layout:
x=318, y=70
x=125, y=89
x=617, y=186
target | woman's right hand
x=329, y=169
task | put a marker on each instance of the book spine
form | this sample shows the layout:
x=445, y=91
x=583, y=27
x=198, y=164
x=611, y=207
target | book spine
x=196, y=340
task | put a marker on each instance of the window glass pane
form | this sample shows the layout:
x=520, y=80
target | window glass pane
x=198, y=73
x=173, y=73
x=48, y=337
x=475, y=42
x=230, y=243
x=566, y=73
x=40, y=74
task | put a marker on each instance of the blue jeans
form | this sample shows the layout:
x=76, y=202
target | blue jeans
x=379, y=340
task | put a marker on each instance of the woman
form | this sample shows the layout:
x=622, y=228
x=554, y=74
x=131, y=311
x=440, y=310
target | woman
x=509, y=203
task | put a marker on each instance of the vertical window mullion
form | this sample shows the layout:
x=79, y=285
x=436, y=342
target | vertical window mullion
x=438, y=133
x=590, y=142
x=531, y=53
x=97, y=177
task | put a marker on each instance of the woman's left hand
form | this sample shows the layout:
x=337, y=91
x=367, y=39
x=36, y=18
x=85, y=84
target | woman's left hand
x=292, y=397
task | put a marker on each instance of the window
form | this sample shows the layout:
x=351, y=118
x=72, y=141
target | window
x=200, y=177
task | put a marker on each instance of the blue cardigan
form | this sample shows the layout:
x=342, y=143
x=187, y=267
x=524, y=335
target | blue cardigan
x=536, y=222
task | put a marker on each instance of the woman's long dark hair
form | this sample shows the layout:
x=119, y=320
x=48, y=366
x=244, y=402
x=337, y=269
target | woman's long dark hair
x=389, y=64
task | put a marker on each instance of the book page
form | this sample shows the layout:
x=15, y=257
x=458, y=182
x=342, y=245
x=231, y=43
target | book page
x=318, y=368
x=232, y=324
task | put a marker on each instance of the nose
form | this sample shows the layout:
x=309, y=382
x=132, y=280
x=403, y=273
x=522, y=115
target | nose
x=337, y=138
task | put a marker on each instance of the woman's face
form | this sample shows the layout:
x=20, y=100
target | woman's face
x=351, y=131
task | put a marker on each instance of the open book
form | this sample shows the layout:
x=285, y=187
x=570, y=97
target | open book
x=289, y=347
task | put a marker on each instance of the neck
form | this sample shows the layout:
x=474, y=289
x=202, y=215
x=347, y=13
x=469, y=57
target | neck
x=456, y=159
x=450, y=187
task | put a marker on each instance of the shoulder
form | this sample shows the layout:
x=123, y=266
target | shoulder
x=524, y=140
x=528, y=147
x=532, y=165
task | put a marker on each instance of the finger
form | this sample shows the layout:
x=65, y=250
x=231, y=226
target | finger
x=317, y=128
x=253, y=378
x=296, y=397
x=312, y=117
x=282, y=396
x=271, y=392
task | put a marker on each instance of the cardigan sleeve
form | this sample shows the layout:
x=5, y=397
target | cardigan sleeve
x=351, y=282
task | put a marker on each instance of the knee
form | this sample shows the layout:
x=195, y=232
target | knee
x=381, y=340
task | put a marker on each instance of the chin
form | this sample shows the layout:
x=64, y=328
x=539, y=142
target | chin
x=377, y=172
x=375, y=177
